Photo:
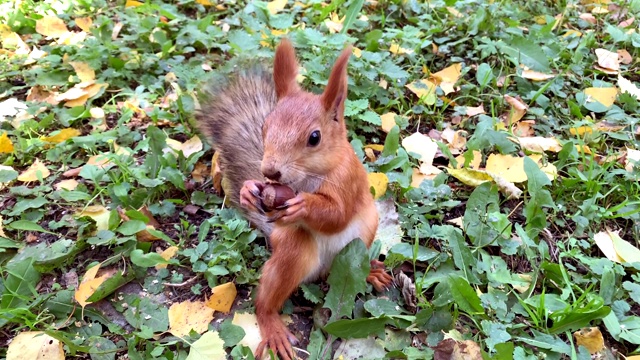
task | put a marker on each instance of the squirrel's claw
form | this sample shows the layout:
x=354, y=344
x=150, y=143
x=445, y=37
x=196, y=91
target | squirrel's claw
x=250, y=196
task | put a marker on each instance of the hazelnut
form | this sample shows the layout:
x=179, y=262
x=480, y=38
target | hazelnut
x=275, y=195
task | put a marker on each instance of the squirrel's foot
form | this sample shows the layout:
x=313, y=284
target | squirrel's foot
x=293, y=211
x=250, y=196
x=279, y=341
x=378, y=277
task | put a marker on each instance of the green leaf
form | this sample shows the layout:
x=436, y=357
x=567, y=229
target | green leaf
x=525, y=51
x=230, y=333
x=110, y=285
x=316, y=346
x=548, y=342
x=391, y=143
x=496, y=333
x=381, y=307
x=27, y=226
x=209, y=346
x=20, y=280
x=102, y=348
x=347, y=278
x=406, y=250
x=356, y=329
x=352, y=13
x=138, y=257
x=464, y=295
x=131, y=227
x=312, y=292
x=484, y=75
x=483, y=200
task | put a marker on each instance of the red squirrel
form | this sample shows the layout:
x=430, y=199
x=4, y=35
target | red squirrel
x=269, y=129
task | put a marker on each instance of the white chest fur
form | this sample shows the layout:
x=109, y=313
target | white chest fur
x=329, y=245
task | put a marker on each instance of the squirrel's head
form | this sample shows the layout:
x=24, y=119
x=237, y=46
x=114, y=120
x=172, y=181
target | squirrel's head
x=305, y=135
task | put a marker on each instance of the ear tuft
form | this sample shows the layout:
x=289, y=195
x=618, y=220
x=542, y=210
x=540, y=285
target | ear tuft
x=285, y=69
x=336, y=91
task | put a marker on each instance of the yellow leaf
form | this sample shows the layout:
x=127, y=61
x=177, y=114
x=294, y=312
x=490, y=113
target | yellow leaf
x=605, y=96
x=475, y=162
x=96, y=113
x=187, y=316
x=511, y=168
x=388, y=121
x=51, y=26
x=477, y=110
x=518, y=109
x=357, y=52
x=572, y=32
x=536, y=75
x=249, y=324
x=36, y=169
x=91, y=282
x=608, y=59
x=83, y=70
x=204, y=2
x=276, y=5
x=424, y=89
x=11, y=40
x=6, y=146
x=397, y=50
x=469, y=176
x=35, y=345
x=84, y=23
x=222, y=297
x=449, y=74
x=453, y=11
x=208, y=346
x=540, y=144
x=191, y=146
x=626, y=251
x=376, y=147
x=417, y=178
x=334, y=23
x=133, y=3
x=379, y=183
x=72, y=38
x=2, y=221
x=591, y=338
x=98, y=213
x=69, y=184
x=167, y=254
x=627, y=86
x=62, y=135
x=581, y=130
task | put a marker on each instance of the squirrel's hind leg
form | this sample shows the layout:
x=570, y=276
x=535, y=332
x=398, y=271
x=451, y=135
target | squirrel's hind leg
x=294, y=256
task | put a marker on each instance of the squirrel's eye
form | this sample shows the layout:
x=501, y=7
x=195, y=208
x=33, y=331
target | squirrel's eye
x=314, y=138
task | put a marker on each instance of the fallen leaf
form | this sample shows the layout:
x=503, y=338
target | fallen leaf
x=608, y=126
x=524, y=128
x=632, y=158
x=473, y=111
x=424, y=89
x=379, y=183
x=605, y=96
x=581, y=130
x=167, y=254
x=397, y=50
x=518, y=109
x=356, y=52
x=6, y=146
x=388, y=121
x=62, y=135
x=509, y=167
x=209, y=345
x=615, y=248
x=475, y=162
x=572, y=32
x=536, y=75
x=36, y=171
x=11, y=107
x=204, y=2
x=591, y=338
x=200, y=172
x=69, y=184
x=627, y=86
x=588, y=18
x=276, y=5
x=40, y=94
x=98, y=213
x=222, y=297
x=608, y=59
x=11, y=40
x=456, y=140
x=421, y=145
x=51, y=26
x=334, y=23
x=624, y=57
x=133, y=3
x=447, y=77
x=84, y=23
x=91, y=282
x=189, y=315
x=249, y=324
x=470, y=177
x=83, y=70
x=539, y=144
x=35, y=345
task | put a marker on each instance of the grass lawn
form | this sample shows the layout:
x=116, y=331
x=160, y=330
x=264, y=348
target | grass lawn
x=500, y=137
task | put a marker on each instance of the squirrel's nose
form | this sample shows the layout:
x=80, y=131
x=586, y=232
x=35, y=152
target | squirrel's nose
x=272, y=174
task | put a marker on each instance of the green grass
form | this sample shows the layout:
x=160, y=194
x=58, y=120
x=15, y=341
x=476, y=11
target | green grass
x=517, y=282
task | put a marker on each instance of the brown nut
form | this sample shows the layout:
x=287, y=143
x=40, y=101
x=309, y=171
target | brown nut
x=275, y=195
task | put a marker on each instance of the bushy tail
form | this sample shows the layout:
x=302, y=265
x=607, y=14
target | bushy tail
x=231, y=117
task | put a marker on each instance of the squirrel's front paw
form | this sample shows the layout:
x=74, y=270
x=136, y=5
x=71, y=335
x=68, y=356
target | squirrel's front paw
x=294, y=210
x=250, y=196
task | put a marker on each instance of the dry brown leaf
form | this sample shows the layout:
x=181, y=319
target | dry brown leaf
x=473, y=111
x=84, y=23
x=608, y=59
x=588, y=18
x=189, y=315
x=51, y=26
x=69, y=184
x=518, y=109
x=222, y=297
x=624, y=57
x=536, y=75
x=591, y=338
x=40, y=94
x=36, y=170
x=35, y=345
x=540, y=144
x=334, y=23
x=524, y=128
x=200, y=172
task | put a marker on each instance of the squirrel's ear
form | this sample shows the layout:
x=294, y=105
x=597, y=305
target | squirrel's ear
x=335, y=93
x=285, y=69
